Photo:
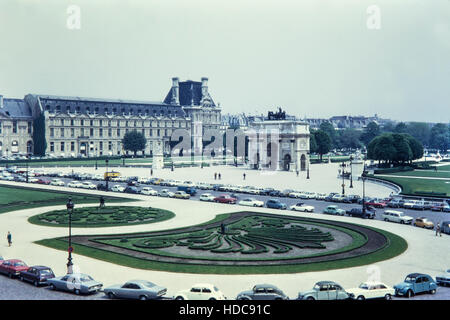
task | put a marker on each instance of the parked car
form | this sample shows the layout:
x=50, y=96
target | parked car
x=396, y=203
x=74, y=184
x=135, y=289
x=330, y=196
x=334, y=210
x=324, y=290
x=415, y=283
x=166, y=193
x=190, y=190
x=445, y=227
x=443, y=279
x=251, y=202
x=201, y=291
x=262, y=292
x=338, y=198
x=181, y=195
x=439, y=206
x=207, y=197
x=43, y=181
x=77, y=283
x=37, y=275
x=57, y=182
x=371, y=290
x=321, y=196
x=225, y=199
x=300, y=206
x=149, y=191
x=423, y=222
x=131, y=189
x=358, y=212
x=396, y=216
x=12, y=267
x=275, y=204
x=377, y=203
x=117, y=188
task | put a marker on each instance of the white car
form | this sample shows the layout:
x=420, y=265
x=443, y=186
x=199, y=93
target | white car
x=143, y=181
x=118, y=188
x=8, y=178
x=295, y=195
x=371, y=290
x=444, y=278
x=321, y=196
x=149, y=191
x=250, y=202
x=396, y=216
x=57, y=182
x=166, y=193
x=302, y=207
x=88, y=185
x=201, y=291
x=74, y=184
x=207, y=197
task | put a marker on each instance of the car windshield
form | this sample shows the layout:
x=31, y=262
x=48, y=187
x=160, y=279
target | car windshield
x=46, y=272
x=317, y=287
x=149, y=284
x=364, y=286
x=19, y=264
x=84, y=278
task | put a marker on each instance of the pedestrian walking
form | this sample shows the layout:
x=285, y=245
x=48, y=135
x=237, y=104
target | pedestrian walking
x=244, y=175
x=9, y=238
x=102, y=202
x=220, y=176
x=438, y=229
x=151, y=172
x=215, y=175
x=297, y=173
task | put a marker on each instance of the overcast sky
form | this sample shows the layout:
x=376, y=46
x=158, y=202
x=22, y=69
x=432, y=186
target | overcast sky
x=313, y=58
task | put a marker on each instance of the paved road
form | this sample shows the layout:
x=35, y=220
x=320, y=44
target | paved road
x=435, y=216
x=13, y=289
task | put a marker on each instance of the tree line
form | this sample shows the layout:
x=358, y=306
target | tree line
x=399, y=143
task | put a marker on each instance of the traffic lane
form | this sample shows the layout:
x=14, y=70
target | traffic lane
x=442, y=293
x=319, y=205
x=14, y=289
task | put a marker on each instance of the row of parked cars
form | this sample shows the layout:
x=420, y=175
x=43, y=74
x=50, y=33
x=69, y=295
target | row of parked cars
x=79, y=283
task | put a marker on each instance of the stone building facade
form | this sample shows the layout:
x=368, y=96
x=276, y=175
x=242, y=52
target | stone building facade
x=77, y=126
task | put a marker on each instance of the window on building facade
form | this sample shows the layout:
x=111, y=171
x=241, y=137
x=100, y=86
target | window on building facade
x=14, y=127
x=62, y=146
x=72, y=146
x=82, y=132
x=109, y=132
x=91, y=123
x=118, y=132
x=109, y=145
x=29, y=127
x=52, y=147
x=62, y=132
x=82, y=122
x=52, y=132
x=101, y=145
x=100, y=132
x=71, y=122
x=91, y=132
x=72, y=132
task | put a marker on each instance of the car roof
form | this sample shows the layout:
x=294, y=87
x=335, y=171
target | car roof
x=40, y=267
x=414, y=275
x=206, y=285
x=325, y=282
x=14, y=260
x=265, y=285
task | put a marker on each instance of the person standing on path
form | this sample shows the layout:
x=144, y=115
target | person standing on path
x=438, y=229
x=9, y=238
x=215, y=175
x=244, y=175
x=220, y=176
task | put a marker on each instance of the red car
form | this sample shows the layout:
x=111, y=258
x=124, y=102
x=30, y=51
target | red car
x=13, y=267
x=376, y=203
x=225, y=199
x=42, y=181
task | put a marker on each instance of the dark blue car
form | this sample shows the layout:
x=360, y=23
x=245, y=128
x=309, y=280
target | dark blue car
x=415, y=283
x=275, y=204
x=445, y=227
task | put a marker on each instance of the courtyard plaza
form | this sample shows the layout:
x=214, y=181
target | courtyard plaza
x=426, y=253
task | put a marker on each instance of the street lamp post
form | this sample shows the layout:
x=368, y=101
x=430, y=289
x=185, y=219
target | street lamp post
x=107, y=176
x=351, y=172
x=343, y=165
x=363, y=178
x=69, y=207
x=96, y=157
x=27, y=169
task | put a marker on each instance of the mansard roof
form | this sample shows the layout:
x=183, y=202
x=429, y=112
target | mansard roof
x=16, y=108
x=190, y=94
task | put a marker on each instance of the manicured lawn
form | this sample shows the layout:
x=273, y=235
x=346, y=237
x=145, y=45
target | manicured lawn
x=15, y=198
x=395, y=246
x=425, y=187
x=422, y=173
x=95, y=217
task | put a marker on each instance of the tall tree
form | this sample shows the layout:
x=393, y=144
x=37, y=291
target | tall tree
x=401, y=127
x=402, y=147
x=371, y=131
x=440, y=137
x=134, y=141
x=349, y=138
x=421, y=131
x=312, y=143
x=329, y=129
x=323, y=141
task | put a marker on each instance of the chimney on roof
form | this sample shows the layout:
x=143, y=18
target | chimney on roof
x=204, y=87
x=175, y=91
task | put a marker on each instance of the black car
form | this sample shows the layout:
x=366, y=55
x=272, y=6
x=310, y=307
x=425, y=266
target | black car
x=275, y=193
x=351, y=199
x=37, y=275
x=330, y=196
x=266, y=191
x=131, y=189
x=445, y=227
x=358, y=212
x=101, y=187
x=262, y=292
